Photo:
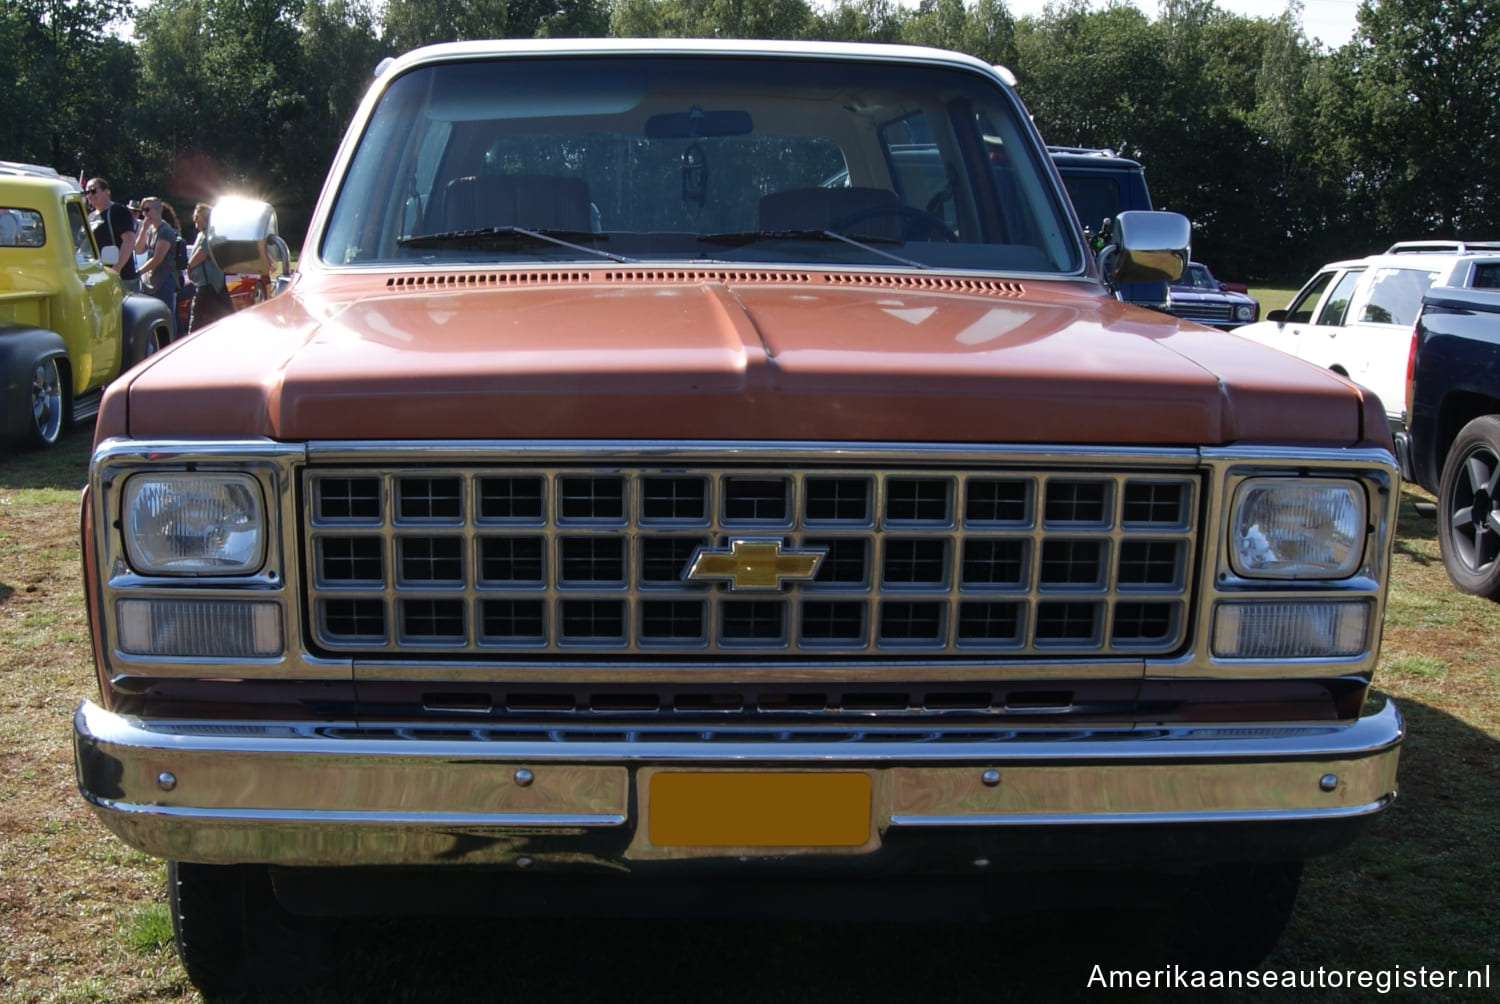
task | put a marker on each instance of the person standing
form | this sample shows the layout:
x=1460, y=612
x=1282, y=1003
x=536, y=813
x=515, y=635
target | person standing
x=114, y=226
x=157, y=239
x=211, y=301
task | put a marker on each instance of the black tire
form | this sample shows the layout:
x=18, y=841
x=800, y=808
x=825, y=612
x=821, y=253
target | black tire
x=149, y=344
x=1469, y=508
x=1233, y=915
x=51, y=402
x=233, y=937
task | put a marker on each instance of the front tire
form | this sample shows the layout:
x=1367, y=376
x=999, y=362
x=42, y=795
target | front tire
x=234, y=937
x=1469, y=508
x=49, y=402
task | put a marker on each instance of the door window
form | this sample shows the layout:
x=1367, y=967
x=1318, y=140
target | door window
x=1336, y=310
x=1300, y=312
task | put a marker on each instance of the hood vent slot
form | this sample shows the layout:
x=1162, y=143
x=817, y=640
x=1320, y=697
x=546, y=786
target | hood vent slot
x=938, y=283
x=478, y=280
x=444, y=281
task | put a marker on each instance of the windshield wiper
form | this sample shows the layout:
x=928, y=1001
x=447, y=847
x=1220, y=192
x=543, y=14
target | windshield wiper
x=489, y=236
x=747, y=237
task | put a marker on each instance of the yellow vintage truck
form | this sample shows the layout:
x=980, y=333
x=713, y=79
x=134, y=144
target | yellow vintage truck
x=67, y=327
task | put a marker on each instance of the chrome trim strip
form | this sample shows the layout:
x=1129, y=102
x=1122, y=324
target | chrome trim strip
x=315, y=816
x=821, y=452
x=631, y=743
x=1124, y=818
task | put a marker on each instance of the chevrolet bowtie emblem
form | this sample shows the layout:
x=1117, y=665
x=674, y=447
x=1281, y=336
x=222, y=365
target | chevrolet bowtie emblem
x=755, y=564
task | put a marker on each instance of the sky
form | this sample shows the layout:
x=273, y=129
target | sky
x=1331, y=21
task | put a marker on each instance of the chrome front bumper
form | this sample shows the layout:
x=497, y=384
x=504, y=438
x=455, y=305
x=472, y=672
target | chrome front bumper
x=577, y=798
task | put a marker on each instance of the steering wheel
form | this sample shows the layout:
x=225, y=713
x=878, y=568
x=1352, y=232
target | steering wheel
x=917, y=221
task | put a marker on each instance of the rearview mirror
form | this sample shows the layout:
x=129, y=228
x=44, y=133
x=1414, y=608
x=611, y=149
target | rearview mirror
x=1279, y=316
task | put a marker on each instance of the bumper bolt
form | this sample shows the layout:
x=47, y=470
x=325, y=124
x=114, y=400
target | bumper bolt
x=990, y=777
x=166, y=780
x=524, y=777
x=1328, y=782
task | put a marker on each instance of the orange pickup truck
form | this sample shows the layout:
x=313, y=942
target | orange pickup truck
x=613, y=516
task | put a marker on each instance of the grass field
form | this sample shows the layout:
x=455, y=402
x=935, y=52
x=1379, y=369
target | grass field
x=83, y=918
x=1273, y=297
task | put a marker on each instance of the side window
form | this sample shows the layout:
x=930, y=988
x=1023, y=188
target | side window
x=1335, y=311
x=1487, y=276
x=1396, y=295
x=1300, y=312
x=83, y=240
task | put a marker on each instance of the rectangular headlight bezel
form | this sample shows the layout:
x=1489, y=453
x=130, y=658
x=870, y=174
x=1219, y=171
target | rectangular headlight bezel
x=1254, y=490
x=244, y=559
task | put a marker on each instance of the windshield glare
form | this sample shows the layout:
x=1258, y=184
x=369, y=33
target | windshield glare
x=699, y=159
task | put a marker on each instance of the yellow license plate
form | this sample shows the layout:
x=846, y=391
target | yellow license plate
x=759, y=810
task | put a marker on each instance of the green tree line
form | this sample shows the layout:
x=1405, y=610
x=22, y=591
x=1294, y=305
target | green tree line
x=1284, y=153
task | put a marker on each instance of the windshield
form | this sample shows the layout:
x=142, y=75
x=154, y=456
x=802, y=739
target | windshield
x=654, y=158
x=1198, y=278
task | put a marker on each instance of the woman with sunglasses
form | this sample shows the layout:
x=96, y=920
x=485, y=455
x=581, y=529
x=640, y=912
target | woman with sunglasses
x=158, y=240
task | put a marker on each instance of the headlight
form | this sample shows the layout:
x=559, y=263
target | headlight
x=194, y=524
x=1297, y=528
x=1244, y=312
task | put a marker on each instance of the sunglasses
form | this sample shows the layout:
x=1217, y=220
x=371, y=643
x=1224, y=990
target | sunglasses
x=93, y=191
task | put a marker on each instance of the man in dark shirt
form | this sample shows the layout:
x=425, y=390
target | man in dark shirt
x=114, y=227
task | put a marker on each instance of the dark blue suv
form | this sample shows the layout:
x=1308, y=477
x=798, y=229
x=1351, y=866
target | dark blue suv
x=1103, y=185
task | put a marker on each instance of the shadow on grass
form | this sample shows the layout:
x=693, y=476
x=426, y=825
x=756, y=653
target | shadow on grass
x=64, y=467
x=726, y=962
x=1418, y=889
x=1417, y=536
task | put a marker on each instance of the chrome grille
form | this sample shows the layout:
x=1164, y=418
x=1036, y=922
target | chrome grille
x=1208, y=312
x=989, y=563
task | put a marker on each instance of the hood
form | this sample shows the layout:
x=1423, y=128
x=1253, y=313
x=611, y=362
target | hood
x=711, y=355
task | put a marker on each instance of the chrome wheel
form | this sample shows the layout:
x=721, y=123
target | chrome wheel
x=47, y=398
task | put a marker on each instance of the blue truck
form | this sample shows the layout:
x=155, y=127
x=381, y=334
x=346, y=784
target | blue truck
x=1451, y=444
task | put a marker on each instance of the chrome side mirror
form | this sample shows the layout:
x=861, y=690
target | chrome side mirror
x=1144, y=246
x=283, y=256
x=242, y=237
